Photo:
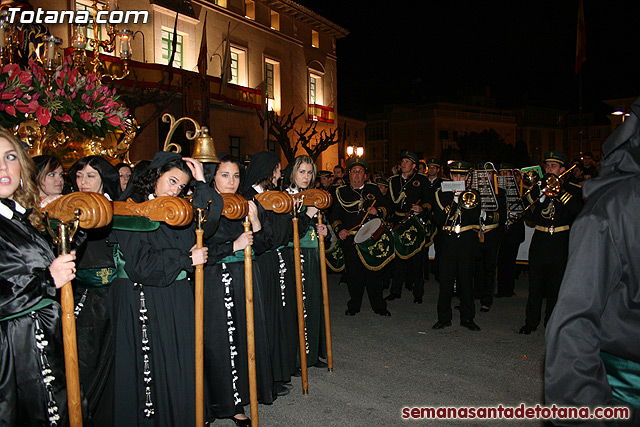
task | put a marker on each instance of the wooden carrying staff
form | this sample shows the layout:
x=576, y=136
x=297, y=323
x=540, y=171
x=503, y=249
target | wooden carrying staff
x=321, y=199
x=312, y=195
x=87, y=210
x=236, y=207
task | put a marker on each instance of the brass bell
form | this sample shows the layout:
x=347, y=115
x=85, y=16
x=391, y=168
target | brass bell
x=204, y=150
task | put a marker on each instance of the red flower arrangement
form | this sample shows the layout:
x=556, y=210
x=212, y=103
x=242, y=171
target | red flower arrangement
x=71, y=100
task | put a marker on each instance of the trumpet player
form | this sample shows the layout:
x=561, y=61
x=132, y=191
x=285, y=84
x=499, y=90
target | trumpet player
x=552, y=206
x=457, y=215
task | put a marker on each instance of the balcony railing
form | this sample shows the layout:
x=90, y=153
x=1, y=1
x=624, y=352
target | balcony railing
x=320, y=113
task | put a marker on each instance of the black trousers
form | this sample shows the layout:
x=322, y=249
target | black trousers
x=459, y=268
x=485, y=277
x=507, y=257
x=409, y=271
x=360, y=278
x=547, y=261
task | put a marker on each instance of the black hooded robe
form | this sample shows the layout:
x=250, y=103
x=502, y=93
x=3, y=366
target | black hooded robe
x=597, y=315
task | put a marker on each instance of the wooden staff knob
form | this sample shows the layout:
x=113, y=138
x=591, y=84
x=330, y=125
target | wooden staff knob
x=235, y=206
x=276, y=201
x=320, y=199
x=173, y=211
x=95, y=210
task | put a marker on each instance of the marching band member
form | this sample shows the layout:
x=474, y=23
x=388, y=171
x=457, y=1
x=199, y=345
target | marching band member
x=458, y=224
x=434, y=178
x=352, y=205
x=552, y=215
x=410, y=195
x=508, y=253
x=492, y=224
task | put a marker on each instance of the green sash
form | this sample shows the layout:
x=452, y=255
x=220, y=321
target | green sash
x=624, y=378
x=95, y=277
x=40, y=304
x=237, y=256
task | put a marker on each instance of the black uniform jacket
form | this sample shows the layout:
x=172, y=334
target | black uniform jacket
x=406, y=192
x=350, y=206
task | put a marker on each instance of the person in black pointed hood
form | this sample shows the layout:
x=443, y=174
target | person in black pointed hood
x=592, y=359
x=262, y=173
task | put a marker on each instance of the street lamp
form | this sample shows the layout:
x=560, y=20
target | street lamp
x=358, y=151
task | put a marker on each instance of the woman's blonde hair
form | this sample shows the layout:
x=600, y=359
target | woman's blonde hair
x=297, y=162
x=27, y=192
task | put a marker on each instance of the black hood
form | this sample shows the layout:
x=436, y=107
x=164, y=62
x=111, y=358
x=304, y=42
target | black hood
x=262, y=164
x=620, y=154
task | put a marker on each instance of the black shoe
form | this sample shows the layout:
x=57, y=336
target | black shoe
x=391, y=297
x=242, y=423
x=320, y=364
x=281, y=390
x=470, y=325
x=485, y=308
x=417, y=300
x=441, y=324
x=382, y=312
x=526, y=330
x=350, y=312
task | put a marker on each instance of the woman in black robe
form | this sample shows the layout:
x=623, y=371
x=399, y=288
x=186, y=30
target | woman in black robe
x=277, y=272
x=96, y=271
x=32, y=376
x=302, y=176
x=153, y=305
x=225, y=333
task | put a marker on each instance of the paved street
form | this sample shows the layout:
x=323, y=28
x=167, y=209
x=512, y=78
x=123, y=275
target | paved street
x=382, y=364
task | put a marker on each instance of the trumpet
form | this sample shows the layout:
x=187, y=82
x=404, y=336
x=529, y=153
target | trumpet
x=467, y=199
x=552, y=187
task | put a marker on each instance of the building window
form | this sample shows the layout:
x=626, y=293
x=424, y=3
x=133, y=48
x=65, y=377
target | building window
x=315, y=89
x=272, y=84
x=167, y=47
x=238, y=66
x=250, y=9
x=275, y=20
x=234, y=146
x=315, y=38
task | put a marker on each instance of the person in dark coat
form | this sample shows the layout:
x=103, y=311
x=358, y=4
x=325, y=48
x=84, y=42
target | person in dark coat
x=152, y=302
x=552, y=215
x=593, y=354
x=32, y=372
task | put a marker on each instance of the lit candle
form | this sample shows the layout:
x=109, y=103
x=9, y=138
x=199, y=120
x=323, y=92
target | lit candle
x=125, y=47
x=80, y=38
x=51, y=48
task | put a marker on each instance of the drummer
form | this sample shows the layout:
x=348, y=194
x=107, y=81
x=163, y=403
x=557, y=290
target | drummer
x=354, y=205
x=411, y=196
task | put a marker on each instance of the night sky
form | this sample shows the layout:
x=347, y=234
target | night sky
x=524, y=51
